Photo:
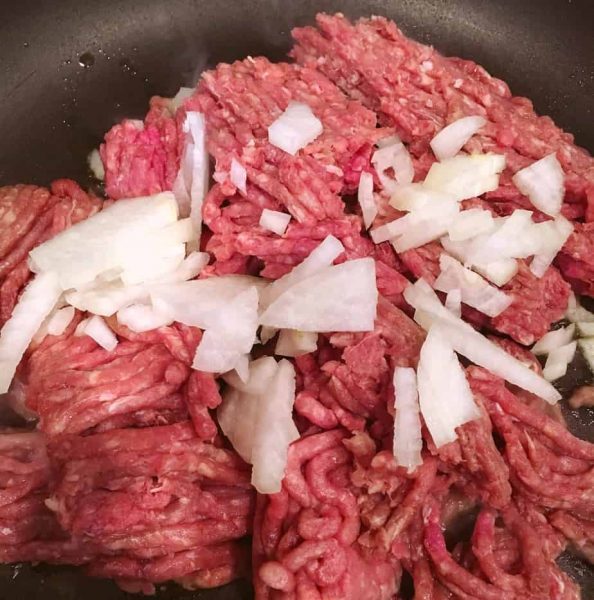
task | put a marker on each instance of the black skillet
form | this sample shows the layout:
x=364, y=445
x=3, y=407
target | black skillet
x=69, y=69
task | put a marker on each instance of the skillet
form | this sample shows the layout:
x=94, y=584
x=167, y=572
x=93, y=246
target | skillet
x=70, y=69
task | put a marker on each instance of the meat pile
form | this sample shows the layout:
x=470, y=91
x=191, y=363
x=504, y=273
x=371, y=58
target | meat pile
x=128, y=473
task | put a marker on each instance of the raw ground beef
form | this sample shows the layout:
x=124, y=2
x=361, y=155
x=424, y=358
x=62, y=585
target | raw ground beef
x=128, y=473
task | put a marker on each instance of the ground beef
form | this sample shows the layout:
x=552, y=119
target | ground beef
x=576, y=260
x=142, y=158
x=29, y=215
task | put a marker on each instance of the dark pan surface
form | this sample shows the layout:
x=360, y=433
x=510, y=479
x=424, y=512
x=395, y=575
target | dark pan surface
x=54, y=110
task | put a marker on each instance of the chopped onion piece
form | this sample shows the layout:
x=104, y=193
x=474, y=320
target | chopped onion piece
x=576, y=312
x=476, y=292
x=274, y=431
x=105, y=240
x=295, y=128
x=553, y=234
x=59, y=321
x=585, y=328
x=36, y=302
x=587, y=348
x=242, y=368
x=558, y=360
x=338, y=298
x=408, y=442
x=366, y=199
x=97, y=329
x=274, y=221
x=445, y=398
x=261, y=371
x=466, y=176
x=470, y=223
x=236, y=416
x=393, y=156
x=96, y=165
x=141, y=318
x=543, y=183
x=474, y=346
x=152, y=265
x=296, y=343
x=191, y=184
x=230, y=335
x=267, y=333
x=451, y=139
x=554, y=339
x=238, y=176
x=80, y=328
x=415, y=196
x=453, y=302
x=320, y=257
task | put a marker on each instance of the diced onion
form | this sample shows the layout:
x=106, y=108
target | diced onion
x=141, y=318
x=338, y=298
x=553, y=234
x=451, y=139
x=453, y=302
x=476, y=292
x=59, y=321
x=470, y=223
x=366, y=199
x=96, y=165
x=319, y=258
x=445, y=398
x=236, y=416
x=585, y=328
x=267, y=333
x=558, y=361
x=242, y=368
x=393, y=156
x=587, y=348
x=274, y=221
x=466, y=176
x=238, y=176
x=296, y=343
x=543, y=183
x=36, y=302
x=261, y=372
x=554, y=339
x=97, y=329
x=415, y=196
x=408, y=442
x=576, y=312
x=295, y=128
x=474, y=346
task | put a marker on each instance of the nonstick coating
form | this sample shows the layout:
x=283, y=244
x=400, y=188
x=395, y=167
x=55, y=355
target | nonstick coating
x=70, y=69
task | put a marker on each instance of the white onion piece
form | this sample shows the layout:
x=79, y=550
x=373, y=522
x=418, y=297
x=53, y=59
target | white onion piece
x=415, y=196
x=587, y=349
x=338, y=298
x=230, y=335
x=366, y=199
x=267, y=333
x=476, y=292
x=191, y=184
x=202, y=303
x=466, y=176
x=554, y=339
x=97, y=329
x=295, y=128
x=558, y=361
x=576, y=312
x=153, y=265
x=105, y=240
x=96, y=165
x=470, y=223
x=543, y=183
x=141, y=318
x=274, y=431
x=408, y=442
x=180, y=97
x=553, y=234
x=474, y=346
x=274, y=221
x=261, y=371
x=445, y=398
x=236, y=416
x=238, y=176
x=585, y=328
x=451, y=139
x=36, y=302
x=390, y=230
x=396, y=157
x=80, y=328
x=59, y=321
x=453, y=302
x=320, y=257
x=296, y=343
x=242, y=368
x=388, y=141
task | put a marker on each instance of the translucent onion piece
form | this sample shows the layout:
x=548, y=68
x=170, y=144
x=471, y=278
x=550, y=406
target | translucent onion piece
x=451, y=139
x=470, y=223
x=408, y=442
x=59, y=321
x=96, y=165
x=296, y=343
x=238, y=176
x=141, y=318
x=295, y=128
x=274, y=221
x=558, y=361
x=97, y=329
x=366, y=199
x=393, y=157
x=554, y=339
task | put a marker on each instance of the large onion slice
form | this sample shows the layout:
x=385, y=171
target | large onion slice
x=445, y=398
x=35, y=304
x=472, y=345
x=543, y=183
x=295, y=128
x=338, y=298
x=475, y=291
x=451, y=139
x=408, y=442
